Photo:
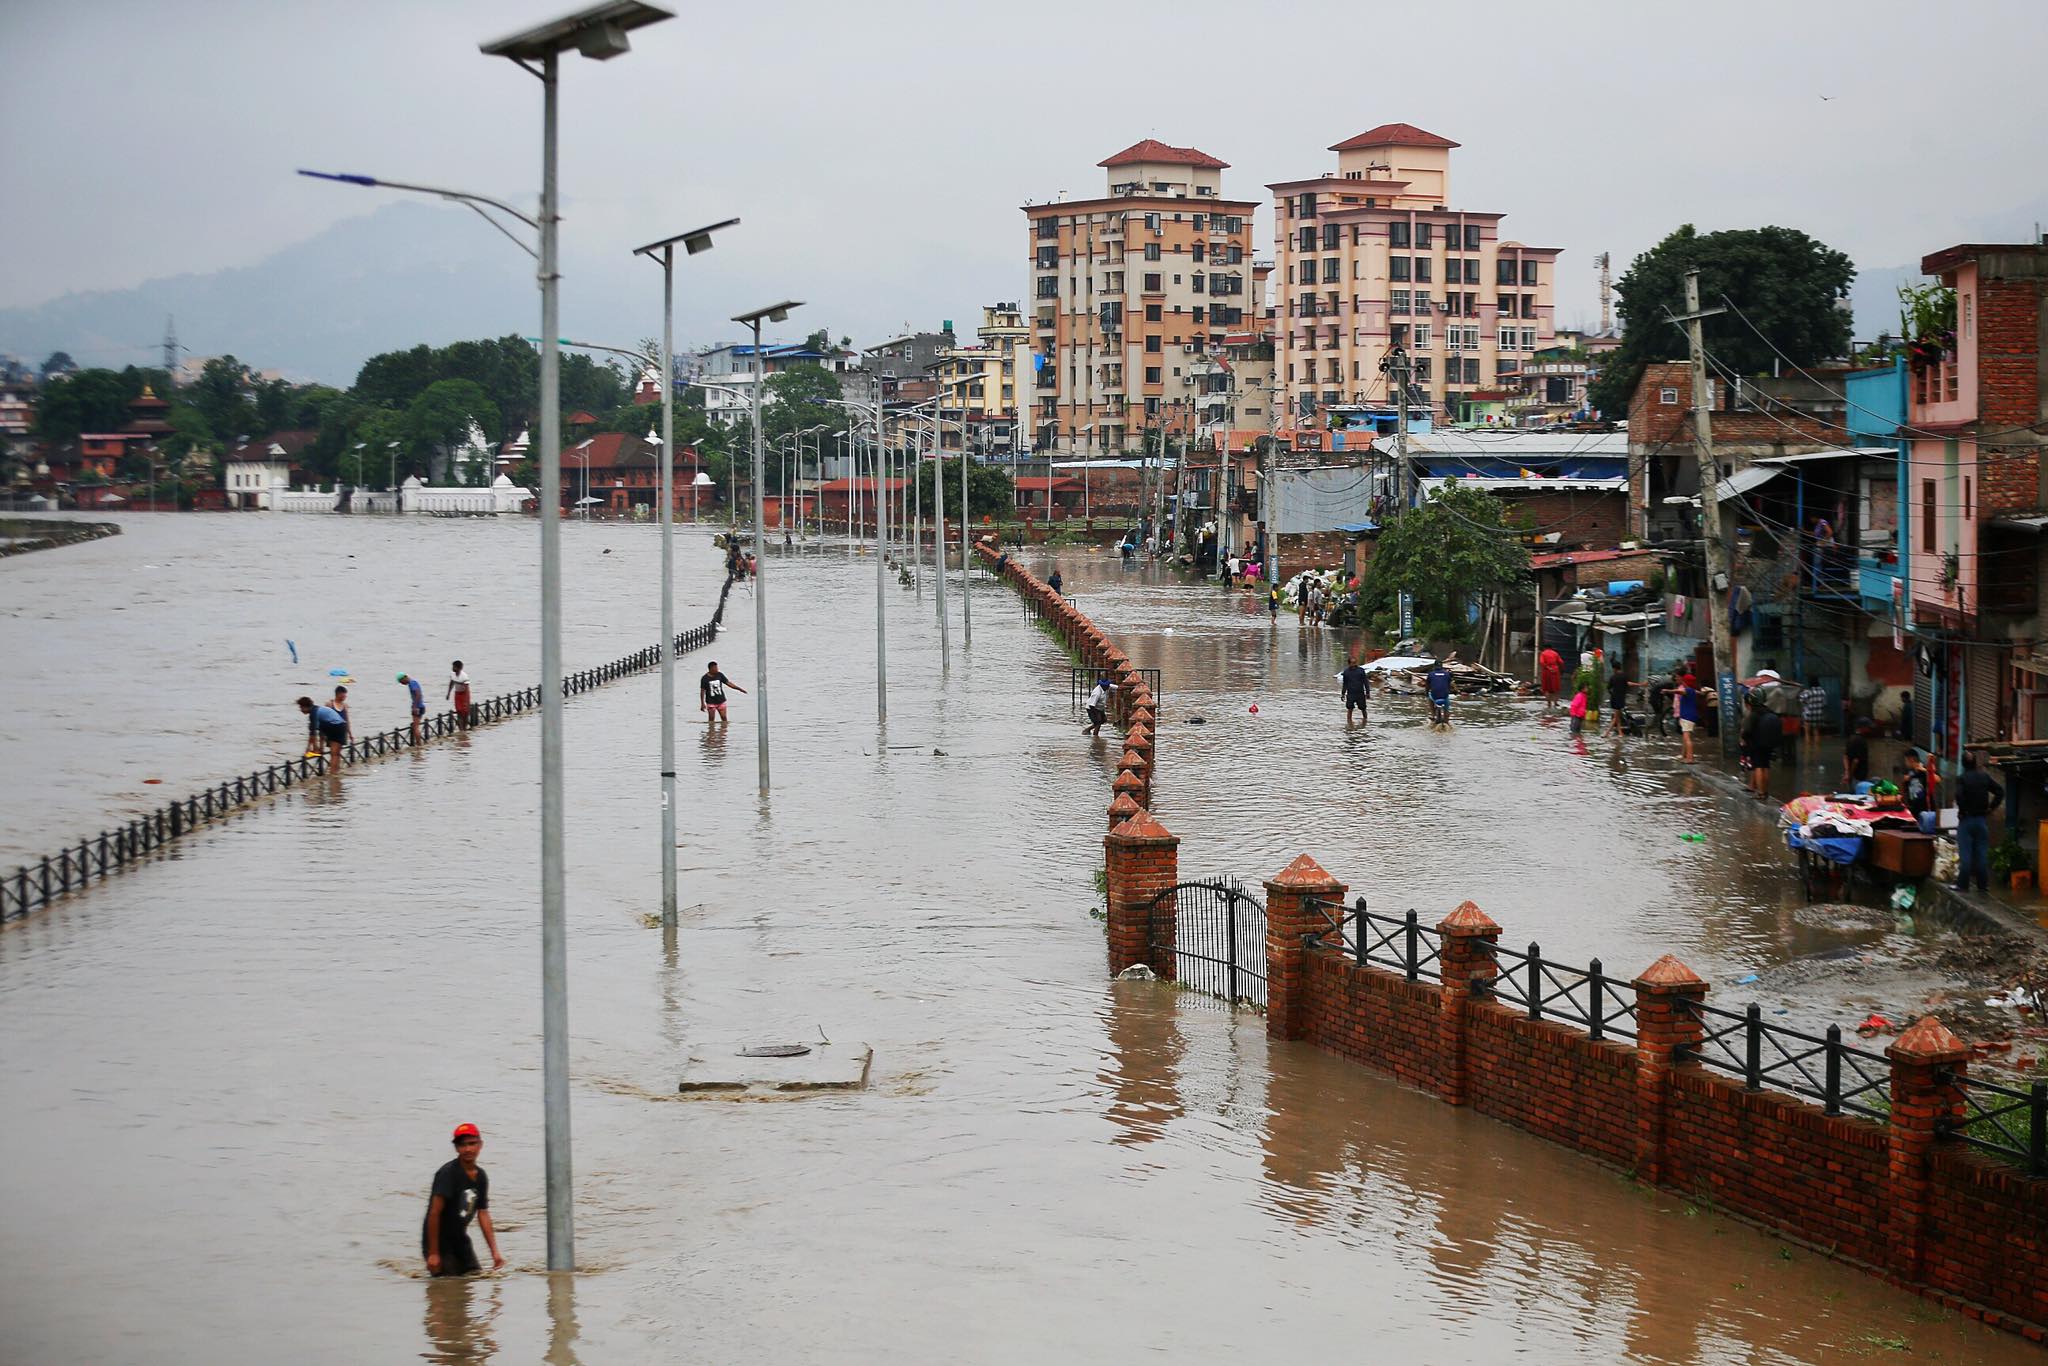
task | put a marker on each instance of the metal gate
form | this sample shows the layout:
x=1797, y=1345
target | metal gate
x=1218, y=932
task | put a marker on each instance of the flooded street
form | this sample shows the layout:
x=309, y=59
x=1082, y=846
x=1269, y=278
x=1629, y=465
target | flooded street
x=231, y=1072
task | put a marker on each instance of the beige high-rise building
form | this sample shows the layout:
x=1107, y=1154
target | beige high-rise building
x=1373, y=254
x=1129, y=291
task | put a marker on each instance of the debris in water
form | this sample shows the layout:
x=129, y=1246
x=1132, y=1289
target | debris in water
x=1137, y=972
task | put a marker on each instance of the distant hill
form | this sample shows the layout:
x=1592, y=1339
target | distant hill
x=1875, y=295
x=407, y=273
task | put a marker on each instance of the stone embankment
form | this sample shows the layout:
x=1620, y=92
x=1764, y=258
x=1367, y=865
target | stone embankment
x=18, y=536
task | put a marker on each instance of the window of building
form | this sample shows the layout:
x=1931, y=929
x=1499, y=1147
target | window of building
x=1397, y=301
x=1201, y=222
x=1152, y=344
x=1927, y=516
x=1201, y=316
x=1529, y=273
x=1305, y=205
x=1397, y=267
x=1421, y=334
x=1505, y=304
x=1152, y=222
x=1331, y=266
x=1151, y=282
x=1507, y=339
x=1151, y=313
x=1195, y=283
x=1151, y=251
x=1305, y=239
x=1197, y=250
x=1425, y=236
x=1667, y=396
x=1048, y=227
x=1048, y=286
x=1528, y=339
x=1423, y=267
x=1333, y=236
x=1471, y=237
x=1176, y=280
x=1423, y=303
x=1471, y=271
x=1504, y=272
x=1397, y=234
x=1048, y=257
x=1420, y=365
x=1151, y=407
x=1151, y=374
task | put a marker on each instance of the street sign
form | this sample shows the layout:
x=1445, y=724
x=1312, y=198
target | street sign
x=1407, y=614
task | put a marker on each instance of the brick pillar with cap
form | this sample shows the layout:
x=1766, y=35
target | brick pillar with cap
x=1468, y=968
x=1667, y=1033
x=1291, y=917
x=1926, y=1062
x=1141, y=859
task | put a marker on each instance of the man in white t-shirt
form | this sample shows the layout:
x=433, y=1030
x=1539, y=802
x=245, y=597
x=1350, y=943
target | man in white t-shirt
x=458, y=692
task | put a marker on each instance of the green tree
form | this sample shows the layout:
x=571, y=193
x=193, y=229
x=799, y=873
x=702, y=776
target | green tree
x=83, y=401
x=1790, y=285
x=190, y=434
x=797, y=398
x=989, y=490
x=221, y=394
x=273, y=405
x=439, y=419
x=1449, y=554
x=59, y=363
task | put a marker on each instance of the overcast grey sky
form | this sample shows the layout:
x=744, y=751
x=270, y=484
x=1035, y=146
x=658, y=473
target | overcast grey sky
x=878, y=152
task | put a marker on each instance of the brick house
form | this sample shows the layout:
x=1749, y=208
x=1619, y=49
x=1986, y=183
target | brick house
x=1977, y=418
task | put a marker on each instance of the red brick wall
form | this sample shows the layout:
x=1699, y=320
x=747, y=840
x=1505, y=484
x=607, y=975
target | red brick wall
x=1835, y=1182
x=1779, y=1160
x=2009, y=393
x=1582, y=521
x=1987, y=1234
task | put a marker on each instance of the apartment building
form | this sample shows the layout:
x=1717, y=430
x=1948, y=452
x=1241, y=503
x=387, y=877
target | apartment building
x=1129, y=290
x=1374, y=255
x=1977, y=417
x=982, y=385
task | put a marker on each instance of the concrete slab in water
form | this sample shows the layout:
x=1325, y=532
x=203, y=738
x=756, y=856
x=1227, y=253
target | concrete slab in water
x=718, y=1065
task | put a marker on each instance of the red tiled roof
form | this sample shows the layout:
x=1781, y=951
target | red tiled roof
x=579, y=417
x=257, y=449
x=1039, y=481
x=1392, y=135
x=1154, y=151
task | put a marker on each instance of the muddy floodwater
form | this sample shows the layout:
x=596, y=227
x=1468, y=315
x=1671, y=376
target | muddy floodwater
x=231, y=1072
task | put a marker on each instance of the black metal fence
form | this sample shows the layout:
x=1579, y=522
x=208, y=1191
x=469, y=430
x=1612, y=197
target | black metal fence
x=1218, y=936
x=1082, y=682
x=1843, y=1078
x=2004, y=1121
x=1547, y=990
x=1400, y=943
x=77, y=866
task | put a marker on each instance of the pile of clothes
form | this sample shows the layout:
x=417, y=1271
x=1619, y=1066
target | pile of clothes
x=1836, y=827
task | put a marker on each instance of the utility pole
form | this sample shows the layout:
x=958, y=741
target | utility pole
x=1396, y=366
x=1716, y=550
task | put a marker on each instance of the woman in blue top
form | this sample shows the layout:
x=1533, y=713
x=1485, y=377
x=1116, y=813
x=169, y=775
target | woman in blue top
x=327, y=726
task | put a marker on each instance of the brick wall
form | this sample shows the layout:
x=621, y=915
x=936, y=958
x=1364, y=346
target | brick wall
x=2010, y=393
x=1582, y=521
x=1897, y=1198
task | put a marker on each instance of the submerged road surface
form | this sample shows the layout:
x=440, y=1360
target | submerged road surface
x=232, y=1072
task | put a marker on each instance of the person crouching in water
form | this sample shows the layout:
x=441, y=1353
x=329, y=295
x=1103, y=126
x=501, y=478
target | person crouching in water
x=325, y=726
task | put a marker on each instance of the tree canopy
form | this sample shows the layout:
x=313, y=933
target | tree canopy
x=797, y=398
x=1448, y=555
x=989, y=490
x=1790, y=285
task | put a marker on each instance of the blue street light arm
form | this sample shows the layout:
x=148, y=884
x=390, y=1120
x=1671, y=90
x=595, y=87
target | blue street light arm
x=477, y=202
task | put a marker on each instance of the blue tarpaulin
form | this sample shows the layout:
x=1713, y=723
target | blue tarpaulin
x=1358, y=528
x=1833, y=848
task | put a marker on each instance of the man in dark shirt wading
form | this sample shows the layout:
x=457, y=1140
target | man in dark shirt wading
x=462, y=1191
x=1977, y=796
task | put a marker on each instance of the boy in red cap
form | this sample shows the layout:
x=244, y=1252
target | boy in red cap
x=462, y=1191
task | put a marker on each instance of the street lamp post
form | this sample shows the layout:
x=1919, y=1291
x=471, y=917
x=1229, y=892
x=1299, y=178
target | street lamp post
x=663, y=253
x=598, y=32
x=773, y=313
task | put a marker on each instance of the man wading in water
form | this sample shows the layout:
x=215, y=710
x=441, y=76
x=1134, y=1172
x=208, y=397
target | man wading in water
x=461, y=1192
x=711, y=694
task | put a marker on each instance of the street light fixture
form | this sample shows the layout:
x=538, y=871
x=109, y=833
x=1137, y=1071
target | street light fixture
x=773, y=313
x=598, y=32
x=663, y=254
